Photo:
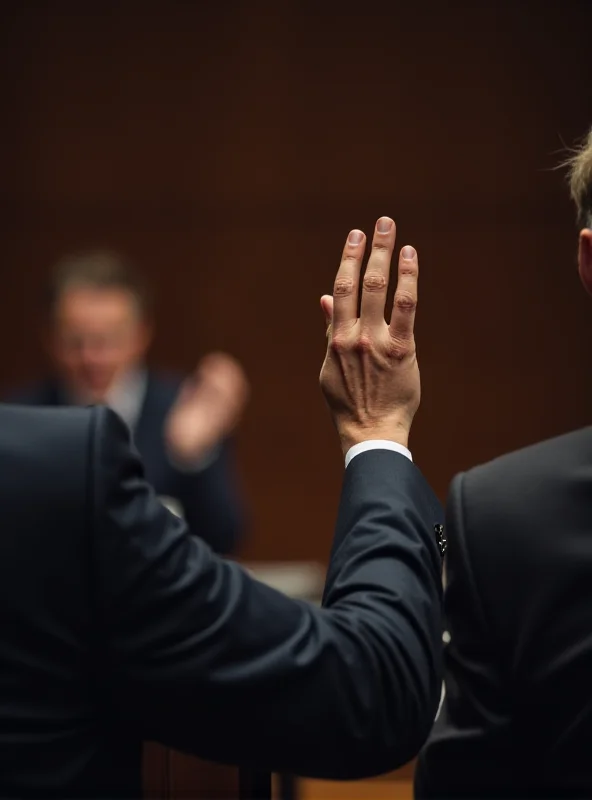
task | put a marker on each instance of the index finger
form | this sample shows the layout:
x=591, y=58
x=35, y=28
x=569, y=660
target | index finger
x=347, y=280
x=405, y=302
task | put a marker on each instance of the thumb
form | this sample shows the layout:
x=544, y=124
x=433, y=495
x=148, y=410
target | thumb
x=327, y=307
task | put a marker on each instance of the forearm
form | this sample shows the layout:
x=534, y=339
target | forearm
x=206, y=659
x=352, y=689
x=387, y=566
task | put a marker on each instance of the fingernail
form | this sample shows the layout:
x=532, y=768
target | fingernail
x=384, y=225
x=408, y=252
x=355, y=237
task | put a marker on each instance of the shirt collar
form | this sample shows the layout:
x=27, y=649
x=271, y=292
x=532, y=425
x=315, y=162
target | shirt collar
x=126, y=396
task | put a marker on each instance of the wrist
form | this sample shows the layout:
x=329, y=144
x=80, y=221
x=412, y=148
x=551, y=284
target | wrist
x=186, y=451
x=393, y=432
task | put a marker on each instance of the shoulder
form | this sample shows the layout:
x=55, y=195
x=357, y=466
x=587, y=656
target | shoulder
x=36, y=419
x=530, y=471
x=59, y=437
x=43, y=429
x=509, y=511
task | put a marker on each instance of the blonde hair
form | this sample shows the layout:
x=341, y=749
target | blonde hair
x=580, y=180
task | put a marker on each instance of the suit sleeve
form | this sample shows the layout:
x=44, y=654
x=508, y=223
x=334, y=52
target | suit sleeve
x=469, y=752
x=202, y=657
x=212, y=501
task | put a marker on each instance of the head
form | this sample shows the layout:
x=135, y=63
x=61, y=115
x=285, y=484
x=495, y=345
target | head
x=99, y=326
x=580, y=180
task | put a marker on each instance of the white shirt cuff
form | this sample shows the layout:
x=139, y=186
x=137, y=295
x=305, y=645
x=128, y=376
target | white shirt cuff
x=376, y=444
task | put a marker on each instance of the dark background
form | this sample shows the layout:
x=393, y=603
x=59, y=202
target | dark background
x=229, y=147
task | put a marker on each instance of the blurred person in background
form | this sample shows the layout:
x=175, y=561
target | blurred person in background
x=99, y=334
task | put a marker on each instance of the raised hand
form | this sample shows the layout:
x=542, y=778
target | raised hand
x=370, y=376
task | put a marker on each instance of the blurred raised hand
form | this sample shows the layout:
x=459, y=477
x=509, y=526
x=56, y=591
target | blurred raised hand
x=209, y=407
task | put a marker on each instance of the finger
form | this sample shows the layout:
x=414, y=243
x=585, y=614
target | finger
x=347, y=281
x=376, y=278
x=327, y=307
x=405, y=302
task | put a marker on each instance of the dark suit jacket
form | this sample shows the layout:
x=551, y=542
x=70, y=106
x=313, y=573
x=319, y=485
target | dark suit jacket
x=117, y=626
x=210, y=499
x=517, y=720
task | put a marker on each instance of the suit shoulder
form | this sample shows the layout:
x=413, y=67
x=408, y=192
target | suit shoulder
x=33, y=421
x=530, y=464
x=44, y=446
x=516, y=500
x=509, y=521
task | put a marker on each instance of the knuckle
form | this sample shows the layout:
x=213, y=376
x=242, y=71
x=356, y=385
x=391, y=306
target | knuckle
x=374, y=282
x=338, y=344
x=381, y=246
x=364, y=344
x=405, y=301
x=343, y=287
x=400, y=349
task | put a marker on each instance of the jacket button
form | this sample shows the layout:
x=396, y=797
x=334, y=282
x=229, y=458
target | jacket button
x=441, y=539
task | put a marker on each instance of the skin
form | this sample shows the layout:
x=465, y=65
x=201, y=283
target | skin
x=370, y=376
x=97, y=335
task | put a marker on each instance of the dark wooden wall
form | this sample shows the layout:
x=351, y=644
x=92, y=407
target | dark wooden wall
x=229, y=147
